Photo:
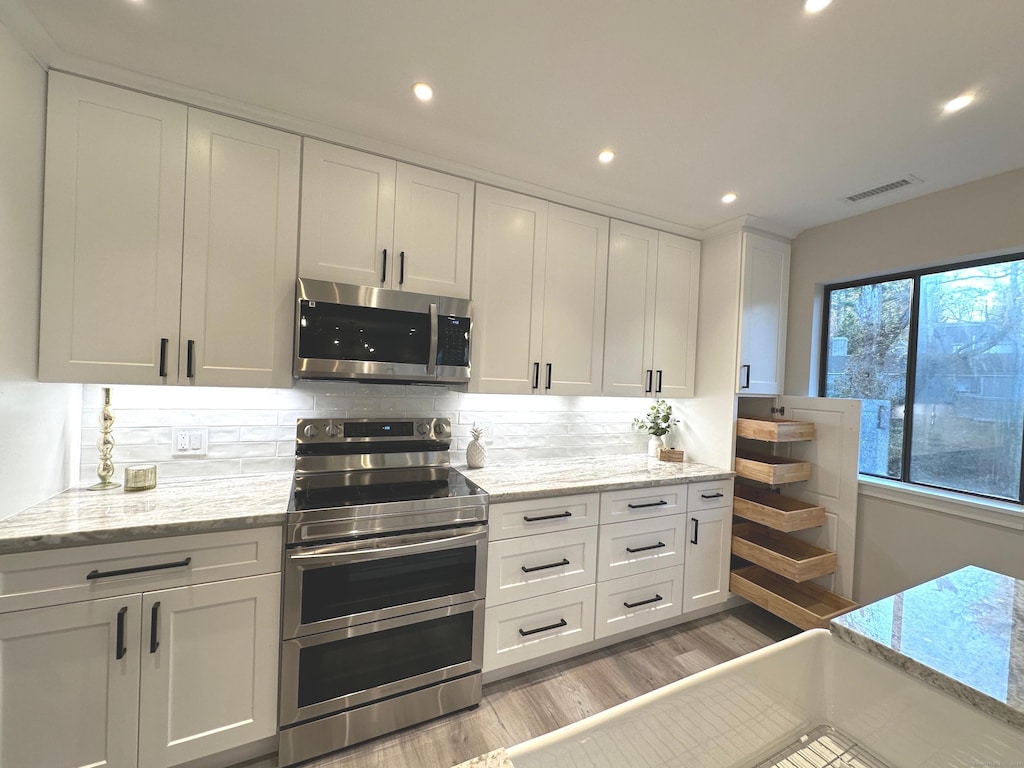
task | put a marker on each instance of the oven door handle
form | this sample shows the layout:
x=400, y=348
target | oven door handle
x=404, y=545
x=432, y=354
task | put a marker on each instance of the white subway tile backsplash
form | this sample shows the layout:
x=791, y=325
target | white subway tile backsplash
x=253, y=430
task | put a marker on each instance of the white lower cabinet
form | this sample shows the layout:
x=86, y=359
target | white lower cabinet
x=527, y=629
x=641, y=546
x=635, y=601
x=708, y=543
x=529, y=566
x=154, y=676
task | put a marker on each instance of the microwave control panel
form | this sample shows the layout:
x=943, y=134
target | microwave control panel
x=453, y=340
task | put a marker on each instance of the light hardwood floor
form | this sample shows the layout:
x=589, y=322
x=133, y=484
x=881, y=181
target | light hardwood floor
x=534, y=703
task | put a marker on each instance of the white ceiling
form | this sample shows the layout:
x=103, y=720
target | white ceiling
x=698, y=97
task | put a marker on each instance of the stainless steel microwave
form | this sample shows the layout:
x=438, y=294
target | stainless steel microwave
x=371, y=334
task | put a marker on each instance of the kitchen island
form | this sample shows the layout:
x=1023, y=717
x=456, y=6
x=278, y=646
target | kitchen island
x=931, y=676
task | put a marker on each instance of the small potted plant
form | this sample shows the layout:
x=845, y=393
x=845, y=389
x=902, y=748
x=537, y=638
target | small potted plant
x=656, y=422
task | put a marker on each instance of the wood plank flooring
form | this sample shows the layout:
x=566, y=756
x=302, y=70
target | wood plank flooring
x=534, y=703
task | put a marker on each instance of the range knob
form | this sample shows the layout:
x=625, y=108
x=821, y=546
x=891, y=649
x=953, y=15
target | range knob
x=440, y=429
x=311, y=430
x=423, y=428
x=331, y=429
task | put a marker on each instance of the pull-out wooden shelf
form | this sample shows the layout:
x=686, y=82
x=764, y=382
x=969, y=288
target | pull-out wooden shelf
x=775, y=430
x=779, y=512
x=781, y=553
x=805, y=605
x=773, y=470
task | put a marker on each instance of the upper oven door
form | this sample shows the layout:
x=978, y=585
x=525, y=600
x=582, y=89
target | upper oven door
x=339, y=585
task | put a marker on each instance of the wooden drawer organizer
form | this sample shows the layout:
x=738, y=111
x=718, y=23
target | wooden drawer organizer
x=783, y=565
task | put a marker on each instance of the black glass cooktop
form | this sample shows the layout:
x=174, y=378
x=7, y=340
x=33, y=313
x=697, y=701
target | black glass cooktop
x=331, y=491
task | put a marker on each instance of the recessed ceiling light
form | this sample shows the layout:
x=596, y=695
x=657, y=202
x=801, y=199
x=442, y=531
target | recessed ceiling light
x=955, y=105
x=813, y=6
x=729, y=198
x=423, y=91
x=606, y=155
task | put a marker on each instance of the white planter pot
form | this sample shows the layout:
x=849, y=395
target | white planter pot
x=654, y=445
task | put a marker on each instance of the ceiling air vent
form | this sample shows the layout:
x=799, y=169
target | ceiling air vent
x=881, y=190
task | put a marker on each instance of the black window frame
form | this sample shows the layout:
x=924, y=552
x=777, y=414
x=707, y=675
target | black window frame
x=912, y=344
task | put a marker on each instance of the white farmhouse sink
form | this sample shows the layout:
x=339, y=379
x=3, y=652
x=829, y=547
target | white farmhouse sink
x=744, y=712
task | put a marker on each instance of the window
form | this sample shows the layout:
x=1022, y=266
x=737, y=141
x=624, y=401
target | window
x=937, y=359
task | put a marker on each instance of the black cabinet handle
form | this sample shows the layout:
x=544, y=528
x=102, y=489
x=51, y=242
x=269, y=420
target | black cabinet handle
x=654, y=599
x=141, y=569
x=190, y=355
x=401, y=267
x=122, y=649
x=384, y=267
x=661, y=503
x=543, y=567
x=529, y=519
x=657, y=389
x=712, y=495
x=634, y=550
x=163, y=357
x=746, y=385
x=695, y=524
x=650, y=382
x=527, y=632
x=536, y=375
x=548, y=385
x=154, y=617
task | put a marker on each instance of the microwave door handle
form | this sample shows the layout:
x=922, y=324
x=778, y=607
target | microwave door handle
x=432, y=354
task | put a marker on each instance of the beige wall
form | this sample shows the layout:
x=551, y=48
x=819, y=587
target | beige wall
x=39, y=423
x=898, y=546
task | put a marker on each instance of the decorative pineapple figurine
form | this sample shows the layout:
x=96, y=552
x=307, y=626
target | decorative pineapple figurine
x=476, y=451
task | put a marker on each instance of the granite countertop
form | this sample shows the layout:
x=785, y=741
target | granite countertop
x=560, y=477
x=962, y=633
x=194, y=505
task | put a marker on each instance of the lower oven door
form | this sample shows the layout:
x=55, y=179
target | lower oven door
x=340, y=585
x=334, y=671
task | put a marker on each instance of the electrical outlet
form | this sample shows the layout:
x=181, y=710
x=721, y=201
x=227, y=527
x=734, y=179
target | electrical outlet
x=189, y=441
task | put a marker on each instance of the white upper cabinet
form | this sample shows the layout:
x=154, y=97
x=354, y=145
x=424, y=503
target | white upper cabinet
x=651, y=319
x=112, y=233
x=764, y=286
x=238, y=277
x=367, y=220
x=539, y=284
x=155, y=276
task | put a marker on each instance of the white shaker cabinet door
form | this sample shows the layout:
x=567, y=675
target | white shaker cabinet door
x=433, y=232
x=629, y=319
x=763, y=315
x=509, y=249
x=706, y=567
x=238, y=276
x=66, y=699
x=575, y=281
x=209, y=669
x=675, y=316
x=348, y=215
x=111, y=272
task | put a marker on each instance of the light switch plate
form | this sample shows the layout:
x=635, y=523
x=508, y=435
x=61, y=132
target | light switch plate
x=189, y=441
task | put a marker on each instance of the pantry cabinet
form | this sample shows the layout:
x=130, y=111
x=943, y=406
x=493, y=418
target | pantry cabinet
x=169, y=242
x=171, y=656
x=539, y=286
x=368, y=220
x=764, y=303
x=651, y=318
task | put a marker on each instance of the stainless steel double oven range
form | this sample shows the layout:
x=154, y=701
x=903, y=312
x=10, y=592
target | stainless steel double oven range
x=384, y=579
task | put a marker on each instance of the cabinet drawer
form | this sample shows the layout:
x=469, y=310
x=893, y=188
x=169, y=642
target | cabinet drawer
x=528, y=629
x=714, y=493
x=55, y=576
x=537, y=565
x=635, y=601
x=639, y=546
x=521, y=518
x=637, y=503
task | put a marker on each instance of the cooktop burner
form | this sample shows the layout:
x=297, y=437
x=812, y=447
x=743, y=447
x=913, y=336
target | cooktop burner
x=335, y=491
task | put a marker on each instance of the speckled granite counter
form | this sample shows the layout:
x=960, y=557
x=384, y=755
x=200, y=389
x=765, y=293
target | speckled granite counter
x=560, y=477
x=79, y=516
x=497, y=759
x=962, y=633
